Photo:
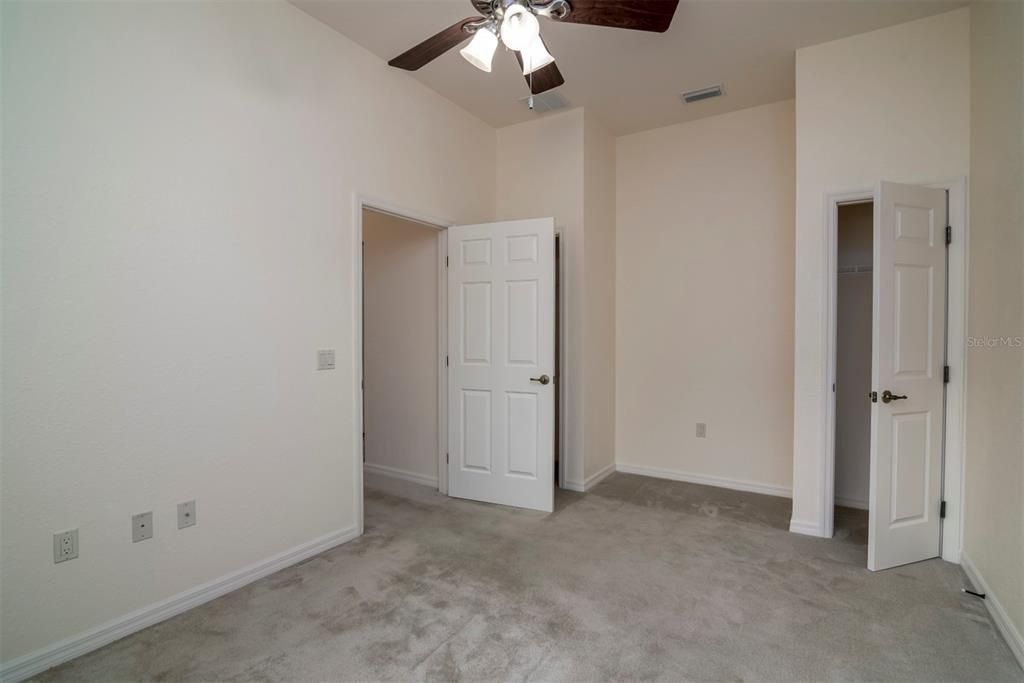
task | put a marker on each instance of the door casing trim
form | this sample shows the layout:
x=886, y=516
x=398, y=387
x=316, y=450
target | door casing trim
x=363, y=201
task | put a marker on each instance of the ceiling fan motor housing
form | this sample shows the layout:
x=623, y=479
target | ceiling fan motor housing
x=551, y=9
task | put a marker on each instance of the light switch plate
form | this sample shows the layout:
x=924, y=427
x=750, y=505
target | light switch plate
x=65, y=546
x=186, y=514
x=702, y=430
x=142, y=526
x=325, y=359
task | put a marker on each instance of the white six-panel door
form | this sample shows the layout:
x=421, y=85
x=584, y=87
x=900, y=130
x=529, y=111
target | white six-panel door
x=908, y=356
x=501, y=354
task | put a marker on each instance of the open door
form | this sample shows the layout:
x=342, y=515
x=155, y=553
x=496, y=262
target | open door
x=501, y=355
x=908, y=358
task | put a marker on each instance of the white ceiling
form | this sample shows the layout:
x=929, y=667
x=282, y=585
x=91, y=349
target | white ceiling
x=629, y=79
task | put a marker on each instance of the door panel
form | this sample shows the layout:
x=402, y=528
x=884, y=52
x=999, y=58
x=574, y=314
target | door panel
x=908, y=352
x=475, y=445
x=909, y=501
x=501, y=289
x=522, y=440
x=523, y=316
x=475, y=313
x=912, y=321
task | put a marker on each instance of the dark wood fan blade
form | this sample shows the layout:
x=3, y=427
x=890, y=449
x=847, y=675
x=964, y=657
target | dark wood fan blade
x=543, y=79
x=434, y=46
x=638, y=15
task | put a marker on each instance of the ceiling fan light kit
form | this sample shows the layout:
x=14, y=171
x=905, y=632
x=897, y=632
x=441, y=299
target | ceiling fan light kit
x=481, y=48
x=519, y=27
x=516, y=23
x=536, y=56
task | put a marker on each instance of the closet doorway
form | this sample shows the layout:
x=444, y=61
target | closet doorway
x=853, y=369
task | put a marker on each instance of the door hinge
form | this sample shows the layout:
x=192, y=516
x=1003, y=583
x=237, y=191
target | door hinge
x=942, y=510
x=446, y=361
x=445, y=261
x=949, y=235
x=945, y=374
x=446, y=456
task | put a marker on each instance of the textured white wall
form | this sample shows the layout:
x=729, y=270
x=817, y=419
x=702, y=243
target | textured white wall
x=400, y=354
x=891, y=105
x=994, y=486
x=704, y=308
x=177, y=244
x=540, y=174
x=563, y=165
x=599, y=311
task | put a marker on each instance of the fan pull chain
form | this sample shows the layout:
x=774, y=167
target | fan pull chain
x=530, y=101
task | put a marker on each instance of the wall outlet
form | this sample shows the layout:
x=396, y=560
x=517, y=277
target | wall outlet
x=142, y=526
x=702, y=430
x=325, y=359
x=65, y=546
x=186, y=514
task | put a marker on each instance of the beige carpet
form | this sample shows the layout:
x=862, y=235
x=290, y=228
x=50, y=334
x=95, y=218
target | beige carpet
x=638, y=579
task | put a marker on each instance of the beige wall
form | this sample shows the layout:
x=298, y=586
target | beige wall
x=704, y=298
x=562, y=165
x=540, y=173
x=891, y=105
x=853, y=356
x=994, y=495
x=599, y=300
x=177, y=244
x=400, y=354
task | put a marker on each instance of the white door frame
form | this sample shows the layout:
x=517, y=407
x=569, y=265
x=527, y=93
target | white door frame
x=956, y=358
x=561, y=332
x=360, y=202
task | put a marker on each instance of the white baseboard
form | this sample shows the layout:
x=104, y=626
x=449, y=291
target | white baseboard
x=45, y=658
x=797, y=526
x=1006, y=627
x=591, y=481
x=404, y=475
x=707, y=480
x=855, y=503
x=596, y=478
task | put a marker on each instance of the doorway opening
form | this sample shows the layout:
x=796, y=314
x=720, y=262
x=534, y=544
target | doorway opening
x=402, y=342
x=399, y=327
x=854, y=266
x=918, y=347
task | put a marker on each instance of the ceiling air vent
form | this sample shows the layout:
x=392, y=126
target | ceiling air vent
x=702, y=94
x=545, y=102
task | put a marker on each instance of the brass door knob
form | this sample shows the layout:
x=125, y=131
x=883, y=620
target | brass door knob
x=543, y=379
x=888, y=397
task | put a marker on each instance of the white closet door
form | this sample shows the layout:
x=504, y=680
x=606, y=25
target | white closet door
x=908, y=356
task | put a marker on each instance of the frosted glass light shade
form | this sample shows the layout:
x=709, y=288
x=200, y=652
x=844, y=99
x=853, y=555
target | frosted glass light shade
x=481, y=49
x=519, y=28
x=535, y=56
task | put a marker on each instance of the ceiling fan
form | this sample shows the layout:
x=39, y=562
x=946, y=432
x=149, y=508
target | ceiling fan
x=515, y=23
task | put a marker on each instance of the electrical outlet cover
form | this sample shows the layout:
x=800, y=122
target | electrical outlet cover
x=186, y=514
x=142, y=526
x=65, y=546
